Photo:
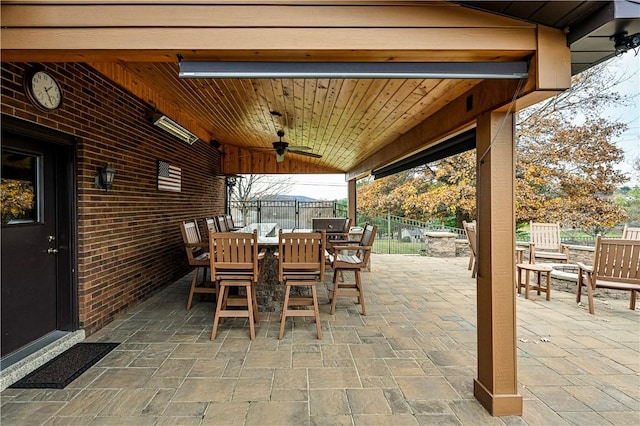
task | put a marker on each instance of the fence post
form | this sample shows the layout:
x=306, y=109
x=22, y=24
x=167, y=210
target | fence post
x=259, y=210
x=389, y=233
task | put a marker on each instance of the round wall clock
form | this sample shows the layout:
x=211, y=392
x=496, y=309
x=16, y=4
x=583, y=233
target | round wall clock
x=43, y=90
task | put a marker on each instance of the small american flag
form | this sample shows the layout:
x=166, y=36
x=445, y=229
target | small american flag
x=169, y=177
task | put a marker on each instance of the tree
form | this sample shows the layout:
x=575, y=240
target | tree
x=629, y=200
x=566, y=159
x=17, y=199
x=246, y=188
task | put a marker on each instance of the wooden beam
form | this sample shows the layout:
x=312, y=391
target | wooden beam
x=164, y=55
x=188, y=14
x=187, y=39
x=496, y=387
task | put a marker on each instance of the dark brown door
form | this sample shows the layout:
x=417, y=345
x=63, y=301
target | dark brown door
x=29, y=241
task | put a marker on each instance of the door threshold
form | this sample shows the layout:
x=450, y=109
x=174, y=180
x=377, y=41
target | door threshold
x=27, y=359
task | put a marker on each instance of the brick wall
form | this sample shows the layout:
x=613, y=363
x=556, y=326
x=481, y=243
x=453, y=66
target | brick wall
x=129, y=241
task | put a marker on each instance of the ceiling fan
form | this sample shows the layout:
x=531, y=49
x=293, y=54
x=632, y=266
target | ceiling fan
x=281, y=147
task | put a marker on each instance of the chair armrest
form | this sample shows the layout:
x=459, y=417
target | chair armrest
x=583, y=267
x=201, y=245
x=340, y=248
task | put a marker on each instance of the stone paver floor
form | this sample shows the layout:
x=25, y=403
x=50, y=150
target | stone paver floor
x=411, y=360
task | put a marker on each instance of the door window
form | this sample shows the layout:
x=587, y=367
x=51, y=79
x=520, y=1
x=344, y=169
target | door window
x=19, y=188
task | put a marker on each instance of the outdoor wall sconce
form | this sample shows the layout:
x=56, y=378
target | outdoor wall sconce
x=104, y=177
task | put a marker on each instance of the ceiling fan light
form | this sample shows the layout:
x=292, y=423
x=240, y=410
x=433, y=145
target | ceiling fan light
x=279, y=157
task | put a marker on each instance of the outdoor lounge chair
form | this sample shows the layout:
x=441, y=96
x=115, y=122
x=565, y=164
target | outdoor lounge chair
x=630, y=233
x=616, y=265
x=545, y=243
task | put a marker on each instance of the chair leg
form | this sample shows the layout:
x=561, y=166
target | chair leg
x=252, y=329
x=285, y=307
x=590, y=296
x=335, y=292
x=196, y=271
x=222, y=300
x=316, y=311
x=360, y=292
x=632, y=303
x=254, y=298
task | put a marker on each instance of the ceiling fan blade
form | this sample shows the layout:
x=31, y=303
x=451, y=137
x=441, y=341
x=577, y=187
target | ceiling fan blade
x=308, y=154
x=299, y=148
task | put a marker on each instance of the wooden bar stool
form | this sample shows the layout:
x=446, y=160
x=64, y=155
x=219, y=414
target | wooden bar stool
x=234, y=263
x=301, y=258
x=539, y=269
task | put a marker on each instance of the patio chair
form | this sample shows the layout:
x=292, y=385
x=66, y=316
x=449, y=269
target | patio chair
x=198, y=257
x=630, y=233
x=616, y=265
x=221, y=224
x=545, y=243
x=228, y=220
x=470, y=231
x=351, y=258
x=234, y=263
x=301, y=264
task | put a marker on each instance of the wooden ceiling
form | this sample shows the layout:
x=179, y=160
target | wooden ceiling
x=344, y=120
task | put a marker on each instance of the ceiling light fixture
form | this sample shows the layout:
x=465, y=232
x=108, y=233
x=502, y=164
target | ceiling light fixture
x=488, y=70
x=170, y=126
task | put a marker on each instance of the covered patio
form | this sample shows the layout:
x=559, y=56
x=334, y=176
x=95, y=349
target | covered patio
x=411, y=360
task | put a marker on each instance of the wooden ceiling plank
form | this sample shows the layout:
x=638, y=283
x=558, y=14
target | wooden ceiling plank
x=321, y=98
x=378, y=124
x=351, y=107
x=374, y=110
x=328, y=107
x=351, y=130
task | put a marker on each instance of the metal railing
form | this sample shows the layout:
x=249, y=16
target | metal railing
x=288, y=214
x=396, y=235
x=399, y=235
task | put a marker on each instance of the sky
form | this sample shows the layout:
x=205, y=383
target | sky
x=629, y=141
x=334, y=186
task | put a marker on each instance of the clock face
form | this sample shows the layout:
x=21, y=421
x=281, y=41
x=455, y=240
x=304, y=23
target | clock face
x=44, y=90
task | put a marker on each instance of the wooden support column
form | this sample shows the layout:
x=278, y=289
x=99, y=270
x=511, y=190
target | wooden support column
x=497, y=384
x=352, y=209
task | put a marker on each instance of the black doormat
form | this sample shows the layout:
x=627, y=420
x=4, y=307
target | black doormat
x=66, y=367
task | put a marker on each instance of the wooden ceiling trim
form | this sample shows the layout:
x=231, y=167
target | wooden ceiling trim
x=216, y=15
x=236, y=160
x=184, y=40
